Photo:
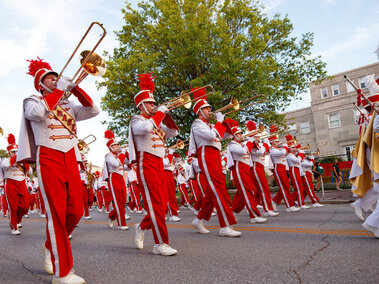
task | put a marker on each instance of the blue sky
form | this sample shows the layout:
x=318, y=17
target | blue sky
x=346, y=34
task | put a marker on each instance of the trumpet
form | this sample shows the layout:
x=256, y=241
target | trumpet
x=83, y=145
x=180, y=144
x=90, y=62
x=184, y=99
x=235, y=104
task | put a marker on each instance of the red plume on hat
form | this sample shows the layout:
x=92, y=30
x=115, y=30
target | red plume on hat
x=11, y=142
x=39, y=69
x=147, y=86
x=251, y=125
x=97, y=173
x=234, y=126
x=200, y=98
x=110, y=136
x=289, y=137
x=273, y=128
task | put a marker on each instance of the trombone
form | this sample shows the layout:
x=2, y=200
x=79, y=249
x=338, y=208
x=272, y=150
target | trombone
x=90, y=62
x=261, y=129
x=83, y=145
x=235, y=104
x=184, y=99
x=180, y=144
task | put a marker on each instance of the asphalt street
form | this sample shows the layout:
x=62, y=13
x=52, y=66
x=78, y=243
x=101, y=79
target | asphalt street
x=317, y=245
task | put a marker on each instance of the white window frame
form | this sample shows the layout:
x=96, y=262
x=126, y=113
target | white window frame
x=339, y=118
x=327, y=92
x=357, y=115
x=349, y=87
x=301, y=131
x=338, y=89
x=292, y=129
x=362, y=81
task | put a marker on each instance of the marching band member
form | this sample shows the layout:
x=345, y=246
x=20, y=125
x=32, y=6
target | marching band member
x=306, y=165
x=113, y=172
x=238, y=158
x=16, y=192
x=194, y=185
x=102, y=190
x=169, y=167
x=32, y=195
x=48, y=137
x=147, y=136
x=86, y=187
x=97, y=192
x=205, y=144
x=279, y=163
x=135, y=195
x=181, y=179
x=257, y=171
x=295, y=172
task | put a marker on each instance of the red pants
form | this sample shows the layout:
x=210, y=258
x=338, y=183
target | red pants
x=216, y=194
x=308, y=187
x=297, y=184
x=18, y=201
x=4, y=204
x=87, y=197
x=32, y=201
x=118, y=189
x=172, y=205
x=244, y=185
x=151, y=181
x=40, y=203
x=106, y=198
x=280, y=175
x=99, y=198
x=197, y=195
x=184, y=194
x=263, y=191
x=60, y=184
x=135, y=195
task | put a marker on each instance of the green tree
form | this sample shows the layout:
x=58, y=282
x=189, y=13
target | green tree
x=231, y=45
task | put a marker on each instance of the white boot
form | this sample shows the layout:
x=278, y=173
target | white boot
x=164, y=249
x=139, y=236
x=70, y=278
x=229, y=232
x=47, y=264
x=174, y=218
x=258, y=220
x=198, y=224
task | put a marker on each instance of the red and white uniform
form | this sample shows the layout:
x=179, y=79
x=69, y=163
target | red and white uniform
x=53, y=147
x=32, y=193
x=181, y=179
x=16, y=191
x=205, y=143
x=169, y=167
x=135, y=195
x=296, y=172
x=239, y=163
x=147, y=147
x=87, y=190
x=257, y=170
x=102, y=190
x=113, y=171
x=307, y=166
x=278, y=159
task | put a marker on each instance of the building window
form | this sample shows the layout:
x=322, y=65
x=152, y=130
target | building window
x=292, y=129
x=336, y=90
x=304, y=127
x=324, y=92
x=357, y=115
x=348, y=151
x=362, y=82
x=349, y=87
x=334, y=120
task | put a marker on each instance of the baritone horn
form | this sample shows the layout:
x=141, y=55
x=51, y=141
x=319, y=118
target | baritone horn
x=90, y=62
x=184, y=99
x=83, y=144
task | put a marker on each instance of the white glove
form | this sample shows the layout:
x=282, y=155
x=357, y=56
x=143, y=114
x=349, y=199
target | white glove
x=163, y=109
x=251, y=139
x=64, y=84
x=171, y=151
x=220, y=117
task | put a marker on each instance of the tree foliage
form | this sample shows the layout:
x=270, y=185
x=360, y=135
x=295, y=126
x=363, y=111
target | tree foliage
x=231, y=45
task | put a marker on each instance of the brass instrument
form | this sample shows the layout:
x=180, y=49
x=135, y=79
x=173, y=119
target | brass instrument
x=235, y=104
x=179, y=144
x=184, y=99
x=316, y=153
x=83, y=145
x=90, y=62
x=303, y=139
x=90, y=176
x=261, y=129
x=1, y=131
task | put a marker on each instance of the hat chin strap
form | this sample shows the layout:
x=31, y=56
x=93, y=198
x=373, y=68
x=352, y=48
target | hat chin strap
x=202, y=113
x=144, y=107
x=46, y=88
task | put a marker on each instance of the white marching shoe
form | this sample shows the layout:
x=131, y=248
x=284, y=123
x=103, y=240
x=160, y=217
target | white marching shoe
x=317, y=205
x=357, y=211
x=19, y=225
x=110, y=223
x=274, y=206
x=47, y=264
x=229, y=232
x=70, y=278
x=164, y=249
x=139, y=236
x=305, y=206
x=258, y=220
x=293, y=209
x=373, y=230
x=15, y=232
x=198, y=224
x=174, y=218
x=87, y=217
x=123, y=228
x=271, y=213
x=127, y=217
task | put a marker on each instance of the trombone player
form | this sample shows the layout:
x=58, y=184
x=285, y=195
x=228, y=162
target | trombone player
x=48, y=138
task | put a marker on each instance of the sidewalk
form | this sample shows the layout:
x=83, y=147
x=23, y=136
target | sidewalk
x=336, y=197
